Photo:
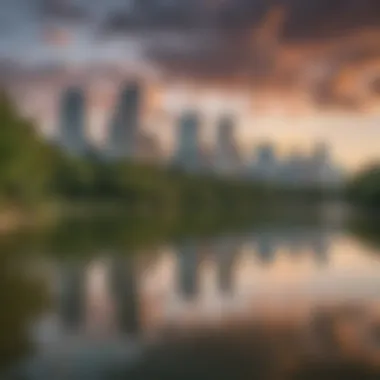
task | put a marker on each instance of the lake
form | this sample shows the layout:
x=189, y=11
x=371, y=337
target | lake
x=278, y=299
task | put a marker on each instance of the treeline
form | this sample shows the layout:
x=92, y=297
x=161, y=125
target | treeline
x=25, y=160
x=364, y=188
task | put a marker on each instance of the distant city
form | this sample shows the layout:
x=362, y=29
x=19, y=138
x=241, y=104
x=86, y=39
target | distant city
x=126, y=140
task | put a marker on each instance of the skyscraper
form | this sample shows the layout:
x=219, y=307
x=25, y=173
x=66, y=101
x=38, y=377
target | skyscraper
x=227, y=160
x=72, y=121
x=322, y=168
x=188, y=152
x=125, y=123
x=265, y=165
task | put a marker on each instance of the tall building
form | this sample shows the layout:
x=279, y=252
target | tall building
x=188, y=153
x=265, y=166
x=322, y=168
x=124, y=127
x=296, y=170
x=72, y=122
x=227, y=159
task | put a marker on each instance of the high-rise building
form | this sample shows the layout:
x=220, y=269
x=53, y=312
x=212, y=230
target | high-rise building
x=322, y=168
x=227, y=159
x=124, y=127
x=72, y=122
x=296, y=170
x=265, y=165
x=187, y=156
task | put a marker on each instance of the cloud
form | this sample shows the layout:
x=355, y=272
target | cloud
x=283, y=52
x=184, y=15
x=62, y=10
x=326, y=18
x=318, y=47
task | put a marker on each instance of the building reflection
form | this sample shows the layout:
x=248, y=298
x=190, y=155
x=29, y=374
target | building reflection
x=71, y=296
x=125, y=292
x=225, y=256
x=320, y=249
x=187, y=271
x=269, y=283
x=266, y=249
x=134, y=294
x=99, y=296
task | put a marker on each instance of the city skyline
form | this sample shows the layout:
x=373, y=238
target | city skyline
x=125, y=139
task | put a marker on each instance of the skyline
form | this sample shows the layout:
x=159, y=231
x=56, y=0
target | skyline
x=126, y=140
x=162, y=126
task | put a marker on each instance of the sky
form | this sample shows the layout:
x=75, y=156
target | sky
x=291, y=71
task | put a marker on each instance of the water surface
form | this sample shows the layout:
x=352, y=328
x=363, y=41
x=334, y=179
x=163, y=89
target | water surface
x=275, y=300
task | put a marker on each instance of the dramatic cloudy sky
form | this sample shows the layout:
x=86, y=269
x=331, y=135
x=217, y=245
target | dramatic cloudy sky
x=293, y=71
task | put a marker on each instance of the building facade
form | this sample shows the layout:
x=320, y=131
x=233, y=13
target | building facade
x=188, y=154
x=72, y=136
x=124, y=128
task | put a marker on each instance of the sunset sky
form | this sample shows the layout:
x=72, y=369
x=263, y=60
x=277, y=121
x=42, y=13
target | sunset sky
x=291, y=71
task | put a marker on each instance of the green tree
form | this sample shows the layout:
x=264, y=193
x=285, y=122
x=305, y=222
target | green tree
x=24, y=167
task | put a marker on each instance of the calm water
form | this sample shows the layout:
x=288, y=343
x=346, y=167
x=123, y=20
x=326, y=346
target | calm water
x=275, y=301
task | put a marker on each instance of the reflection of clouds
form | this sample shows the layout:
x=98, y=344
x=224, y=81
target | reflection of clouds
x=159, y=276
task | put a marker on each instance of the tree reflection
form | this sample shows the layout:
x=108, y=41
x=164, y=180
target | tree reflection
x=22, y=296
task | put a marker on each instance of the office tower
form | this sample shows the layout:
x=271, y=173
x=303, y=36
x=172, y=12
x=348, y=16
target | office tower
x=188, y=152
x=227, y=160
x=124, y=127
x=72, y=122
x=265, y=164
x=296, y=170
x=322, y=168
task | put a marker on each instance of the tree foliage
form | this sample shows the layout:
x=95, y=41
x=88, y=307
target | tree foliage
x=364, y=188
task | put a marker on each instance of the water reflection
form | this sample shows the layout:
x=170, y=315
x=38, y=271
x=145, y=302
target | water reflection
x=266, y=304
x=23, y=296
